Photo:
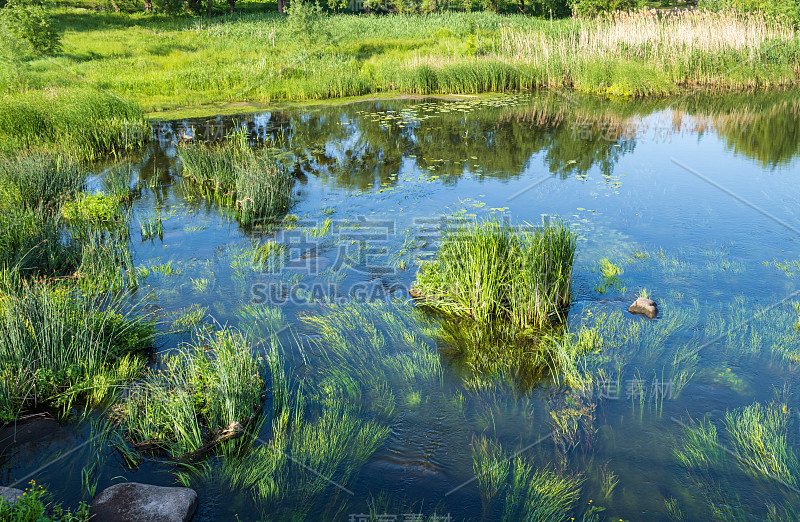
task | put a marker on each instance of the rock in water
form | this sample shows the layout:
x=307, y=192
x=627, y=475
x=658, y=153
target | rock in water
x=645, y=307
x=131, y=502
x=10, y=495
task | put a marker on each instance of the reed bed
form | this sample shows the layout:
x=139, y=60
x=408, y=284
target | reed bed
x=85, y=123
x=490, y=271
x=57, y=348
x=631, y=53
x=233, y=174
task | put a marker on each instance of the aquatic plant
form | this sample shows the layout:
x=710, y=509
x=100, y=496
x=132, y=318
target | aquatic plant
x=96, y=210
x=489, y=271
x=500, y=354
x=490, y=467
x=699, y=447
x=573, y=417
x=190, y=317
x=57, y=347
x=249, y=181
x=262, y=319
x=610, y=277
x=529, y=493
x=151, y=229
x=369, y=351
x=208, y=390
x=758, y=434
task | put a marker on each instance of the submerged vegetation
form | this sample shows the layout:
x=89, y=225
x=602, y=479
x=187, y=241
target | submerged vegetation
x=759, y=445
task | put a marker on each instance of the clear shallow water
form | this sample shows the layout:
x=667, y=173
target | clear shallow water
x=696, y=200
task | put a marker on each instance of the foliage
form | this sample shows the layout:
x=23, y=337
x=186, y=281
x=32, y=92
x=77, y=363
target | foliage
x=305, y=23
x=489, y=271
x=34, y=506
x=57, y=347
x=596, y=7
x=786, y=8
x=29, y=21
x=201, y=391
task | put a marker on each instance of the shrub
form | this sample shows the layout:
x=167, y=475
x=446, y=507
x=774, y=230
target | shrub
x=788, y=8
x=596, y=7
x=28, y=21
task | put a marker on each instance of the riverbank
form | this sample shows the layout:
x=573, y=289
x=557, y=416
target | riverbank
x=165, y=63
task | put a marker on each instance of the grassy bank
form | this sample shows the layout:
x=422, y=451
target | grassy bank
x=164, y=63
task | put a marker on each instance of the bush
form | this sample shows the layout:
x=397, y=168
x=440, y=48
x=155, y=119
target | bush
x=28, y=21
x=788, y=8
x=596, y=7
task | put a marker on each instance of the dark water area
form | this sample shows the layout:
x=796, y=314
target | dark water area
x=695, y=200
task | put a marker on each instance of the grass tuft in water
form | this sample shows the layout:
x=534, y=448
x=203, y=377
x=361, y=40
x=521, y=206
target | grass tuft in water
x=758, y=433
x=490, y=271
x=57, y=347
x=247, y=180
x=200, y=392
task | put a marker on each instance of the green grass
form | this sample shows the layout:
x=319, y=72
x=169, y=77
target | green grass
x=203, y=389
x=759, y=435
x=490, y=271
x=85, y=122
x=256, y=58
x=239, y=177
x=57, y=348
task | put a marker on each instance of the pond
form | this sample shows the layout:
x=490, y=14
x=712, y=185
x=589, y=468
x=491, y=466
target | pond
x=692, y=201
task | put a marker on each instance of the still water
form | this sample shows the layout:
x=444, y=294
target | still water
x=694, y=199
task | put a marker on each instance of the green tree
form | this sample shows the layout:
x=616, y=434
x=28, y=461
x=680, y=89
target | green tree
x=28, y=21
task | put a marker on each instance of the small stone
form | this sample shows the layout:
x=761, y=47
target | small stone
x=134, y=502
x=10, y=495
x=645, y=307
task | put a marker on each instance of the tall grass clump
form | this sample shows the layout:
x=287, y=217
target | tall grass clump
x=57, y=347
x=86, y=123
x=489, y=271
x=34, y=186
x=249, y=181
x=209, y=389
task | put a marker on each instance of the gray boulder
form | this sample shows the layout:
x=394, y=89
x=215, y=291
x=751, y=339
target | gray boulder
x=10, y=495
x=133, y=502
x=645, y=307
